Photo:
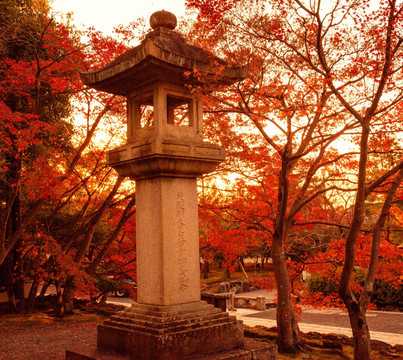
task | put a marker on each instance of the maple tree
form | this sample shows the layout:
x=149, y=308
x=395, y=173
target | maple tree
x=302, y=146
x=53, y=169
x=227, y=227
x=317, y=72
x=35, y=82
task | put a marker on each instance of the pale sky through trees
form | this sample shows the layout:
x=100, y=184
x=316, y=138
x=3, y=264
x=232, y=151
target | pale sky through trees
x=105, y=15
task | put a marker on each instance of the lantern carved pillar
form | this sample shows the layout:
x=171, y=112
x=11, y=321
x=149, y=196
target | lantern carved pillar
x=165, y=154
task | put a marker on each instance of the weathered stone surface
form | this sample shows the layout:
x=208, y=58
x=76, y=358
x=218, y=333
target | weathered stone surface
x=246, y=285
x=247, y=302
x=261, y=350
x=218, y=300
x=224, y=287
x=169, y=162
x=253, y=350
x=170, y=333
x=163, y=19
x=261, y=303
x=167, y=230
x=161, y=49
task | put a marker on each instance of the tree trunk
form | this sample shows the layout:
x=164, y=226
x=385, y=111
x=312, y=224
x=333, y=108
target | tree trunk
x=16, y=290
x=104, y=297
x=356, y=312
x=357, y=309
x=68, y=297
x=69, y=288
x=6, y=279
x=289, y=337
x=30, y=303
x=205, y=269
x=361, y=335
x=20, y=278
x=44, y=288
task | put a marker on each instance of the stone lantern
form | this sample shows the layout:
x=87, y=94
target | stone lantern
x=164, y=154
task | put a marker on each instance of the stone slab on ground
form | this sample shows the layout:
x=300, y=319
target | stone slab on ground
x=252, y=350
x=86, y=352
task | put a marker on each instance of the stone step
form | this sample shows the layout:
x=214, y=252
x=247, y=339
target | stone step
x=148, y=327
x=252, y=350
x=162, y=312
x=172, y=317
x=170, y=344
x=158, y=322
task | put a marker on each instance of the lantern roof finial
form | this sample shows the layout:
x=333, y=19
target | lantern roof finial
x=163, y=19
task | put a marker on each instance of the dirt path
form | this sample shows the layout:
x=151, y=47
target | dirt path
x=48, y=340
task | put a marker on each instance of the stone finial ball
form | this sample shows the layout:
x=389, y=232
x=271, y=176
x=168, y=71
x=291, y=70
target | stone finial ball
x=163, y=19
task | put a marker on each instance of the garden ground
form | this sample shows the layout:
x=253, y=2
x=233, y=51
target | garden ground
x=41, y=335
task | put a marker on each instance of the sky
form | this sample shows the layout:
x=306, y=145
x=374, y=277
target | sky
x=105, y=15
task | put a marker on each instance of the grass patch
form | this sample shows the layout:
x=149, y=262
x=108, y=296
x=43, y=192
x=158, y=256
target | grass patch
x=23, y=320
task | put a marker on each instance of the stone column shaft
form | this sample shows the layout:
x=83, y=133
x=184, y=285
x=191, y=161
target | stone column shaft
x=167, y=241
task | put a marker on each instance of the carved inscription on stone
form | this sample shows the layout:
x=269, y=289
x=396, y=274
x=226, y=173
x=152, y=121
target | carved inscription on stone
x=181, y=242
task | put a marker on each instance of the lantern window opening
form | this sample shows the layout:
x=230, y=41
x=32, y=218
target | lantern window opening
x=146, y=112
x=179, y=110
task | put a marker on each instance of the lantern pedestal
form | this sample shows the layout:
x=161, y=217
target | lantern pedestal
x=251, y=350
x=170, y=332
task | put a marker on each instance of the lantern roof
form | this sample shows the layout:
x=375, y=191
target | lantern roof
x=162, y=56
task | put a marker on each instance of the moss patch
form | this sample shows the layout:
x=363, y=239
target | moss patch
x=322, y=346
x=20, y=321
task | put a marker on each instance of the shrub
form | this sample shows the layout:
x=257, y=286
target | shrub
x=316, y=284
x=384, y=294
